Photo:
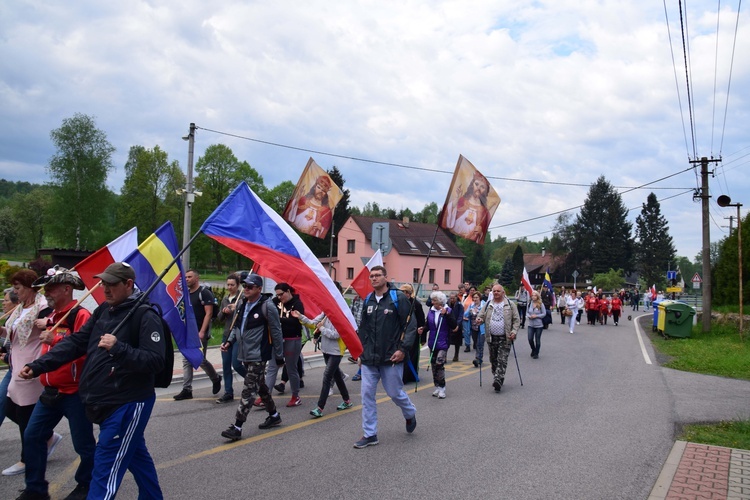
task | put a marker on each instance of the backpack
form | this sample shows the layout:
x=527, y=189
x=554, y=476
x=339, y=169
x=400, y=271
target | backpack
x=215, y=308
x=162, y=378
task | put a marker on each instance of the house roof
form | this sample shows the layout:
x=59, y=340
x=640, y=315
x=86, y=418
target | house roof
x=538, y=263
x=413, y=238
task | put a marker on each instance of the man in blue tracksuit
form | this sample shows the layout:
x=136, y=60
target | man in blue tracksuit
x=387, y=334
x=117, y=383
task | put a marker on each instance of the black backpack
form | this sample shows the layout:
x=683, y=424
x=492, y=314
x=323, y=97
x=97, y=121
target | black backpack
x=162, y=378
x=215, y=308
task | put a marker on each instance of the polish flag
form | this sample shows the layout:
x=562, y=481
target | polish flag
x=361, y=282
x=525, y=281
x=114, y=251
x=653, y=291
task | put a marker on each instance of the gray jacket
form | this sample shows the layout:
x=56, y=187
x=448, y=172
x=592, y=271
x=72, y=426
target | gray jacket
x=510, y=312
x=260, y=338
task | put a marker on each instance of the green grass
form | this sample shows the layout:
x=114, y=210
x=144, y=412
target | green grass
x=734, y=434
x=718, y=352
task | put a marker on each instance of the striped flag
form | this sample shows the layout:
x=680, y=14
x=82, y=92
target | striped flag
x=245, y=224
x=525, y=281
x=361, y=282
x=114, y=251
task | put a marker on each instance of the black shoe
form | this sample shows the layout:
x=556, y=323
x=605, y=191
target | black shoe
x=468, y=349
x=366, y=441
x=232, y=433
x=225, y=399
x=184, y=394
x=301, y=384
x=455, y=359
x=270, y=422
x=217, y=386
x=79, y=493
x=535, y=356
x=497, y=386
x=475, y=363
x=280, y=388
x=30, y=495
x=411, y=424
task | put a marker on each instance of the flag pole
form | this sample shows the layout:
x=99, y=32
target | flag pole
x=78, y=302
x=142, y=298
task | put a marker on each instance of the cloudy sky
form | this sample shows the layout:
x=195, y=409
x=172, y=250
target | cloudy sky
x=556, y=92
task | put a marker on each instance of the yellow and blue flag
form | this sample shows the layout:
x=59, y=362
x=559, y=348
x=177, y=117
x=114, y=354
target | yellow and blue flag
x=149, y=260
x=548, y=284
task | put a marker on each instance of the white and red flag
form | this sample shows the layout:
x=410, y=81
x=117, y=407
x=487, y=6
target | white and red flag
x=115, y=251
x=361, y=282
x=525, y=281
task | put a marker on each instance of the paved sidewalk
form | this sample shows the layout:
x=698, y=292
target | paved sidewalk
x=694, y=471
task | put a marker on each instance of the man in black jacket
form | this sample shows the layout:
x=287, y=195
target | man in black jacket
x=117, y=382
x=386, y=339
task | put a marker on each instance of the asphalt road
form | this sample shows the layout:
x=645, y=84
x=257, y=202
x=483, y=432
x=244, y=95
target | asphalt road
x=593, y=419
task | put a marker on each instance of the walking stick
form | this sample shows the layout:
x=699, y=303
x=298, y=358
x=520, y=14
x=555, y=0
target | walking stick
x=513, y=345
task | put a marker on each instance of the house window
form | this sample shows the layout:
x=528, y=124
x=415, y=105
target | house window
x=441, y=247
x=350, y=273
x=349, y=246
x=415, y=275
x=411, y=244
x=447, y=277
x=432, y=276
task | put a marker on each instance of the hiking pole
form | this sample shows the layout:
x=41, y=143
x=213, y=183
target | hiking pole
x=513, y=345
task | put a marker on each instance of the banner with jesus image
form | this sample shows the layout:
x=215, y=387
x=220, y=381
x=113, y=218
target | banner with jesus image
x=310, y=208
x=470, y=204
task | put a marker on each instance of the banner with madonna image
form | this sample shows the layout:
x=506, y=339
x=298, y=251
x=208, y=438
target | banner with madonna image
x=470, y=204
x=310, y=209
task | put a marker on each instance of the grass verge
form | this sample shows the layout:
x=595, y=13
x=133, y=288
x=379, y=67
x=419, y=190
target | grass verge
x=735, y=434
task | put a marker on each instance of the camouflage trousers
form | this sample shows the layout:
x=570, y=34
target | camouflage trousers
x=438, y=367
x=255, y=384
x=499, y=351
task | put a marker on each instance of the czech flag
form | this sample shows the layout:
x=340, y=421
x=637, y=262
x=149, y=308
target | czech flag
x=248, y=226
x=149, y=260
x=114, y=251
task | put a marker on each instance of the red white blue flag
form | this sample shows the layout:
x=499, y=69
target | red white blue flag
x=248, y=226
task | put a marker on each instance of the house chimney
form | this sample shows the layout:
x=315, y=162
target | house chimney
x=543, y=251
x=405, y=222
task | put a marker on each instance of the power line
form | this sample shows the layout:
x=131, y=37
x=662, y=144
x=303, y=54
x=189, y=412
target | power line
x=731, y=66
x=411, y=167
x=676, y=80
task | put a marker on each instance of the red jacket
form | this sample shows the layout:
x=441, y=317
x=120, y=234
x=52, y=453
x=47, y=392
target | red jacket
x=592, y=304
x=65, y=378
x=616, y=304
x=604, y=306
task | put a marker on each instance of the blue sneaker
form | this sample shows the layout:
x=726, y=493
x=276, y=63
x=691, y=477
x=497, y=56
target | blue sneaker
x=411, y=424
x=357, y=377
x=366, y=441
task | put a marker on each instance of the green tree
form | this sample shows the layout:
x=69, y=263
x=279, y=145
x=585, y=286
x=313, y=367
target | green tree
x=9, y=228
x=278, y=196
x=612, y=280
x=518, y=265
x=219, y=172
x=78, y=170
x=148, y=196
x=476, y=263
x=31, y=233
x=726, y=271
x=654, y=248
x=506, y=274
x=601, y=234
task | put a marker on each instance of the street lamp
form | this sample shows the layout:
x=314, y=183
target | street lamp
x=726, y=201
x=189, y=197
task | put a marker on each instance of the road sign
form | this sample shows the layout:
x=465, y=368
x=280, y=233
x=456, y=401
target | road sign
x=381, y=237
x=674, y=289
x=671, y=275
x=697, y=278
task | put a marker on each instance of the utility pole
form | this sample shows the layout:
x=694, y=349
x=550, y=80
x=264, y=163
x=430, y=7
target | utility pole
x=731, y=219
x=189, y=197
x=706, y=295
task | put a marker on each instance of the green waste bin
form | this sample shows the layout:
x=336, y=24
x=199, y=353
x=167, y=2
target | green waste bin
x=678, y=320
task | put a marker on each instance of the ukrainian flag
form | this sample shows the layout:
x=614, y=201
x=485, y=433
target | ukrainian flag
x=151, y=258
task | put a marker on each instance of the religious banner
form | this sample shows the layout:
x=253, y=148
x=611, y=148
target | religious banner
x=310, y=209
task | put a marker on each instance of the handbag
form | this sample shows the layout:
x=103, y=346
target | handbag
x=568, y=312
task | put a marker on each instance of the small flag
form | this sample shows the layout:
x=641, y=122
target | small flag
x=114, y=251
x=361, y=282
x=149, y=260
x=548, y=284
x=470, y=204
x=310, y=209
x=525, y=281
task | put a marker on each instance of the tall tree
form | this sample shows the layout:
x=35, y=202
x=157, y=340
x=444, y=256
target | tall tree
x=518, y=266
x=79, y=170
x=506, y=274
x=32, y=232
x=148, y=196
x=654, y=247
x=9, y=228
x=476, y=263
x=726, y=272
x=601, y=233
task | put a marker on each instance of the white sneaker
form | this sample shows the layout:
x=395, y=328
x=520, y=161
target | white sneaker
x=344, y=376
x=441, y=393
x=330, y=391
x=52, y=443
x=436, y=392
x=15, y=469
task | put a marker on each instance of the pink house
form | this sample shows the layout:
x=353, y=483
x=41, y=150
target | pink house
x=411, y=242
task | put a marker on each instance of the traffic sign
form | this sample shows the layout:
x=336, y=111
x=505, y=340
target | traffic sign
x=697, y=278
x=674, y=289
x=671, y=275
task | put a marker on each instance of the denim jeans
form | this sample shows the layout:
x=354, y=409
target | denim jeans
x=43, y=420
x=229, y=361
x=535, y=338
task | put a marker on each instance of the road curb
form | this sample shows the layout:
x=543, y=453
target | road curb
x=664, y=481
